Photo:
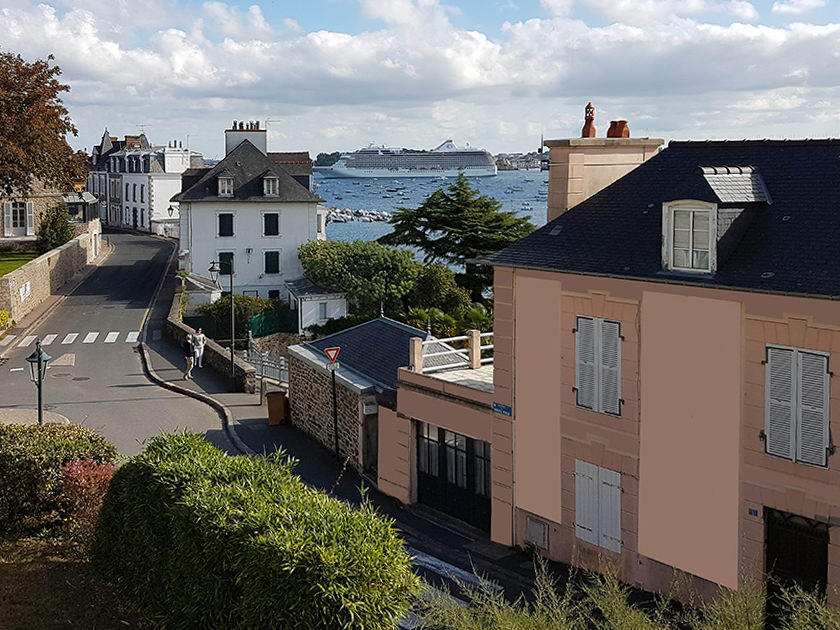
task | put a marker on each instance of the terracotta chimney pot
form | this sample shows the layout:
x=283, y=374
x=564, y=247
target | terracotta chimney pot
x=589, y=124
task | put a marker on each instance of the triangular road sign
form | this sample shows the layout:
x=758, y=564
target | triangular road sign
x=332, y=353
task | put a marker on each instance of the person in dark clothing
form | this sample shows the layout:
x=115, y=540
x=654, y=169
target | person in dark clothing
x=189, y=356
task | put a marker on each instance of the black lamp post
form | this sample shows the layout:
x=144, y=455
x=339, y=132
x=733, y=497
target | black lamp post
x=215, y=267
x=37, y=370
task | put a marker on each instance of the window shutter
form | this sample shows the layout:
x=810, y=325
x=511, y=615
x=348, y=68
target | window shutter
x=778, y=405
x=586, y=502
x=609, y=505
x=585, y=362
x=812, y=423
x=30, y=218
x=7, y=218
x=610, y=367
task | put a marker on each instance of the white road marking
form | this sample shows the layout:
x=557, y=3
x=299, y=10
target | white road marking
x=111, y=337
x=48, y=340
x=15, y=369
x=90, y=337
x=436, y=565
x=26, y=341
x=132, y=336
x=70, y=338
x=65, y=360
x=156, y=335
x=7, y=340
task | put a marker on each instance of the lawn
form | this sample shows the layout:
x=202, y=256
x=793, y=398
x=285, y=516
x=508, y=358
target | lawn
x=9, y=261
x=47, y=584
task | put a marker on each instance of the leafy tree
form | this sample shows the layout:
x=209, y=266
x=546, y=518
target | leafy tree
x=33, y=128
x=456, y=226
x=327, y=159
x=436, y=288
x=55, y=229
x=244, y=307
x=370, y=273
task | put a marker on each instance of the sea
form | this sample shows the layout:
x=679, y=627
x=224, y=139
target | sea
x=524, y=192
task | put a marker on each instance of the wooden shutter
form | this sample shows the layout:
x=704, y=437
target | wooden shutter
x=610, y=368
x=609, y=509
x=812, y=408
x=7, y=218
x=779, y=417
x=586, y=502
x=585, y=364
x=30, y=218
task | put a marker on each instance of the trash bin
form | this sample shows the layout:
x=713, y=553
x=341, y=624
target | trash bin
x=278, y=407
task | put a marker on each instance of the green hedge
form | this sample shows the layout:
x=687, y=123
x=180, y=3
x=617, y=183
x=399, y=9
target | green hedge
x=31, y=457
x=204, y=540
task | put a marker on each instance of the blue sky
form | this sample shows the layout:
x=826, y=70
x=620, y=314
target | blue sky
x=338, y=74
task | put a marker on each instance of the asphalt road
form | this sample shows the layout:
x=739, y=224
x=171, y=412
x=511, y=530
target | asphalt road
x=96, y=377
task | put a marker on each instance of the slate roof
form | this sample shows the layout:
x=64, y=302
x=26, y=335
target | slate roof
x=305, y=287
x=376, y=349
x=789, y=246
x=247, y=165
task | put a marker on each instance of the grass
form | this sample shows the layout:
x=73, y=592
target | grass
x=47, y=583
x=9, y=261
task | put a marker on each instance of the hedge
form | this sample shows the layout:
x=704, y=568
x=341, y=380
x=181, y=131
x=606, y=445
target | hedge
x=204, y=540
x=31, y=457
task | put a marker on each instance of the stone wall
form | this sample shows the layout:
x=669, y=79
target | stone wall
x=216, y=357
x=311, y=408
x=23, y=289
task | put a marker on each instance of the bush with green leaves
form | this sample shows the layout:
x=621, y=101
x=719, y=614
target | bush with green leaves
x=31, y=460
x=204, y=540
x=55, y=229
x=244, y=307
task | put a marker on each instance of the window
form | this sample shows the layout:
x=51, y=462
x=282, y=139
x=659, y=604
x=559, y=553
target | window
x=271, y=224
x=428, y=447
x=598, y=365
x=796, y=405
x=598, y=505
x=272, y=262
x=225, y=187
x=127, y=188
x=320, y=222
x=273, y=294
x=688, y=239
x=456, y=458
x=322, y=311
x=225, y=263
x=142, y=192
x=18, y=214
x=225, y=224
x=271, y=186
x=482, y=468
x=134, y=192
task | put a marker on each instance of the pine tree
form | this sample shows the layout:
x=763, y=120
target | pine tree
x=55, y=229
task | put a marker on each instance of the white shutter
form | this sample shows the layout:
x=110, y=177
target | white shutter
x=586, y=502
x=610, y=367
x=30, y=218
x=7, y=218
x=609, y=505
x=585, y=364
x=779, y=397
x=812, y=410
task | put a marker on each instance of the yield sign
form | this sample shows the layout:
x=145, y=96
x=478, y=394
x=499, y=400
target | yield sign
x=332, y=353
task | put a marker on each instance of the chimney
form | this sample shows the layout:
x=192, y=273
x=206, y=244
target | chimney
x=581, y=167
x=241, y=132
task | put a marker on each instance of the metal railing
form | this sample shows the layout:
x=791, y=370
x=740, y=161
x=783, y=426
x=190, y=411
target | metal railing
x=470, y=357
x=266, y=364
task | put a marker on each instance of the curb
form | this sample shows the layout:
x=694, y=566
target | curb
x=227, y=417
x=103, y=256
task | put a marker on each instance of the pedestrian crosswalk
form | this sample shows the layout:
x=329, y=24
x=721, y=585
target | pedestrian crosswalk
x=91, y=337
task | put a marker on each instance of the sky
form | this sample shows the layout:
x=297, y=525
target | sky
x=337, y=75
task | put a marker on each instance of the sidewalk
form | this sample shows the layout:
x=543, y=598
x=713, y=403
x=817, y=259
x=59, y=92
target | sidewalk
x=424, y=530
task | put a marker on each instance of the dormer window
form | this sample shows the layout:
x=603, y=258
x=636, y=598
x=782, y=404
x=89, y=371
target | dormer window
x=688, y=236
x=271, y=186
x=225, y=187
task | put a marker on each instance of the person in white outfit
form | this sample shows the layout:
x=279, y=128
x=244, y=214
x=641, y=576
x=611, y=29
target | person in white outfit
x=199, y=339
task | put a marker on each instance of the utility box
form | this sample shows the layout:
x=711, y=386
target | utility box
x=278, y=407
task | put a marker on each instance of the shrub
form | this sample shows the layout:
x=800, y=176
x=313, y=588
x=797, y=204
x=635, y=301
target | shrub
x=55, y=229
x=204, y=540
x=5, y=318
x=83, y=486
x=31, y=458
x=245, y=307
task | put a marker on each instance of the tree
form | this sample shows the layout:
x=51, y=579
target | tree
x=327, y=159
x=244, y=306
x=33, y=128
x=370, y=273
x=456, y=226
x=55, y=229
x=436, y=288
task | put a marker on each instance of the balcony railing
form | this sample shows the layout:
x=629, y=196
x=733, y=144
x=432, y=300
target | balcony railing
x=434, y=355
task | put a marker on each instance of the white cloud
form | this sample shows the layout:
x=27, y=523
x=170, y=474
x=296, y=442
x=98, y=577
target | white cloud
x=797, y=7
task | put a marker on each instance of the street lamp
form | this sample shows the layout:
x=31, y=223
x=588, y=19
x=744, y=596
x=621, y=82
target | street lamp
x=171, y=210
x=37, y=369
x=215, y=267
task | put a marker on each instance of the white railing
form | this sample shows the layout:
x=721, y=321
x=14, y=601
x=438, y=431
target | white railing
x=470, y=357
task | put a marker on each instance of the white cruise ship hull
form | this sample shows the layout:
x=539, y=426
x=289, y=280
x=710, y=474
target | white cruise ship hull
x=337, y=171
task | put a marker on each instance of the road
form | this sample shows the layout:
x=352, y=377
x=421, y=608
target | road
x=96, y=377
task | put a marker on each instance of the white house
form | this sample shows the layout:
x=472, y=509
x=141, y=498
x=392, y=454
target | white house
x=315, y=305
x=253, y=210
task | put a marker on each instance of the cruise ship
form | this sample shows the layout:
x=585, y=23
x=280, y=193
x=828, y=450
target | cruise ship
x=442, y=161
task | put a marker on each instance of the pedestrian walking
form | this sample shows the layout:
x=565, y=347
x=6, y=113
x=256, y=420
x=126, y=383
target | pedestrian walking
x=199, y=339
x=189, y=356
